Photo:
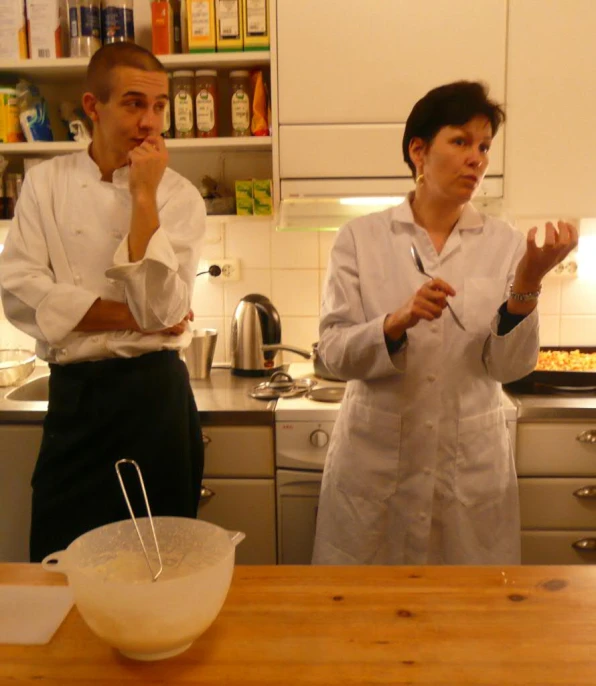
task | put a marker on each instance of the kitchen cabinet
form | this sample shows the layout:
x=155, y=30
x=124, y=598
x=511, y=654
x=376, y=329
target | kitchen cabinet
x=368, y=62
x=239, y=488
x=556, y=465
x=349, y=75
x=20, y=447
x=550, y=164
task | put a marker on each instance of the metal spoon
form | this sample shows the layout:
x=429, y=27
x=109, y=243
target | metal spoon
x=420, y=268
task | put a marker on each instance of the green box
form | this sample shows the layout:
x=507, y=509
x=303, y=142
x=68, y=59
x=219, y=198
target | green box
x=262, y=196
x=244, y=198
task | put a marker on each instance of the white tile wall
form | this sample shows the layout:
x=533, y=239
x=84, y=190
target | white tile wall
x=290, y=267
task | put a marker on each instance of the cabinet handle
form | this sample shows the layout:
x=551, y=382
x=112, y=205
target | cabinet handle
x=207, y=440
x=586, y=545
x=586, y=492
x=588, y=436
x=206, y=493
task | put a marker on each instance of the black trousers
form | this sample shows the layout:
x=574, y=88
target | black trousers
x=140, y=408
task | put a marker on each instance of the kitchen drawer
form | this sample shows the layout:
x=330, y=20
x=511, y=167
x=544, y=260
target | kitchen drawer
x=554, y=548
x=549, y=503
x=554, y=449
x=238, y=451
x=246, y=505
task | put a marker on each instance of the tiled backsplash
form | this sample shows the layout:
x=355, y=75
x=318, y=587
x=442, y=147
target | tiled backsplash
x=289, y=268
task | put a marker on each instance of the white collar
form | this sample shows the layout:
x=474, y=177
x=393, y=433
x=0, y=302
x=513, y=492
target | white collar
x=470, y=217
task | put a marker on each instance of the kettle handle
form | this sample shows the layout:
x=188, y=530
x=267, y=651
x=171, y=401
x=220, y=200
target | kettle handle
x=289, y=348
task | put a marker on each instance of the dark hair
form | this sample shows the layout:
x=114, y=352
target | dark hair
x=451, y=105
x=98, y=78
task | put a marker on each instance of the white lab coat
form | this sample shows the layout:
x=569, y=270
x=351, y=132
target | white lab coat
x=420, y=469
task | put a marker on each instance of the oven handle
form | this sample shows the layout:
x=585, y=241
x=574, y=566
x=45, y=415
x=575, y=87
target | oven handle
x=206, y=494
x=588, y=436
x=586, y=492
x=585, y=545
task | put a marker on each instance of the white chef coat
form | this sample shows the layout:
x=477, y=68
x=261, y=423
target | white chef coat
x=68, y=246
x=420, y=469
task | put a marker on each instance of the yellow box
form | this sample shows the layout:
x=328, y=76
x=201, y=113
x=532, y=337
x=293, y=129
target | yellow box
x=255, y=24
x=228, y=32
x=10, y=126
x=244, y=198
x=262, y=196
x=200, y=25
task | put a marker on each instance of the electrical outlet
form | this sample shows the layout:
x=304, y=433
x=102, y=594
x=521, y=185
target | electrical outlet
x=565, y=269
x=230, y=270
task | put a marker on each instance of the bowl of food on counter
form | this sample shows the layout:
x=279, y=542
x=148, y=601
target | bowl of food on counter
x=143, y=617
x=16, y=364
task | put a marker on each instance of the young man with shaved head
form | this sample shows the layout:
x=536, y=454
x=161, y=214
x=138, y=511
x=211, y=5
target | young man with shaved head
x=99, y=268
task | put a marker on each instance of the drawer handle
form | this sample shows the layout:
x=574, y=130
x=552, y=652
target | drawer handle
x=207, y=440
x=586, y=545
x=587, y=492
x=588, y=436
x=206, y=493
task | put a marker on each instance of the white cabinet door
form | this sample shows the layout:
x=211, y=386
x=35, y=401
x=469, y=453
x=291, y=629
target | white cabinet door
x=369, y=61
x=246, y=505
x=20, y=447
x=550, y=154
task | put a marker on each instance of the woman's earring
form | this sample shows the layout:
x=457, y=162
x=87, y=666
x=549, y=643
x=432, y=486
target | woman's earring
x=420, y=179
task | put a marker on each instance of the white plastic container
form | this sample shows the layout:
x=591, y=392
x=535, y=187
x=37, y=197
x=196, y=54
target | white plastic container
x=44, y=29
x=13, y=33
x=116, y=596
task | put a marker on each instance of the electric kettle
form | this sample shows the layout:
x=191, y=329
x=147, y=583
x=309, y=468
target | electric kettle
x=255, y=323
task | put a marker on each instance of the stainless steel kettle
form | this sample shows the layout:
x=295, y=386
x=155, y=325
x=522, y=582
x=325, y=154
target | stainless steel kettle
x=255, y=323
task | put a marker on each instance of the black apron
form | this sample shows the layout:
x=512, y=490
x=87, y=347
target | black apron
x=140, y=408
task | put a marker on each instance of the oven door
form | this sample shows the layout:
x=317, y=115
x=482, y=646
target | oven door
x=297, y=505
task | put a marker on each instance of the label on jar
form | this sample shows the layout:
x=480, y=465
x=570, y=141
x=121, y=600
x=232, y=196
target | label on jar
x=240, y=111
x=183, y=114
x=205, y=111
x=118, y=24
x=88, y=25
x=256, y=17
x=200, y=25
x=167, y=120
x=228, y=17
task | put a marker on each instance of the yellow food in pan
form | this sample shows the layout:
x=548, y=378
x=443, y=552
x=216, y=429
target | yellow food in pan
x=566, y=361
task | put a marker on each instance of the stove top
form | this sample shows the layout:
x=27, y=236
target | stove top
x=304, y=408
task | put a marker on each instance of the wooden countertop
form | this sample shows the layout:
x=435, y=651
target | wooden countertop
x=351, y=625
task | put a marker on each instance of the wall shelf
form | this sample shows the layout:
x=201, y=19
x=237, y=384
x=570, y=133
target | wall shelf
x=181, y=144
x=74, y=67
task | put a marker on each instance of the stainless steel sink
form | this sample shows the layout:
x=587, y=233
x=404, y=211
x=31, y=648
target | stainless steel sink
x=35, y=390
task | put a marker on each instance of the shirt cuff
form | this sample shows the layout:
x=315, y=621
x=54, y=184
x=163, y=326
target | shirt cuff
x=158, y=250
x=61, y=310
x=507, y=320
x=395, y=346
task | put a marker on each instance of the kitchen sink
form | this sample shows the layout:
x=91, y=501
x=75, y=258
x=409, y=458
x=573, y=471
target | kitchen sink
x=35, y=390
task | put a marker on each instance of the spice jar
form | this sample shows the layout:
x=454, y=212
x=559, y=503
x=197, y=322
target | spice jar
x=182, y=95
x=240, y=102
x=117, y=21
x=206, y=103
x=167, y=112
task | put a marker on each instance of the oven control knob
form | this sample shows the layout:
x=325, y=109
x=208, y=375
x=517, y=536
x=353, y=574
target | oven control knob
x=319, y=438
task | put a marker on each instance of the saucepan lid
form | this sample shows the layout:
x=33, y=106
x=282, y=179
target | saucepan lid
x=281, y=385
x=327, y=394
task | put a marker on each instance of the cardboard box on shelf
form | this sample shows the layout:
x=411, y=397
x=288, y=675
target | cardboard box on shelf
x=244, y=197
x=262, y=196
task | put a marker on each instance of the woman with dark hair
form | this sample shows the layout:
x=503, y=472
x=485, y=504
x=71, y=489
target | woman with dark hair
x=420, y=469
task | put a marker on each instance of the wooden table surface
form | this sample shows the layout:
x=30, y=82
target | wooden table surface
x=351, y=625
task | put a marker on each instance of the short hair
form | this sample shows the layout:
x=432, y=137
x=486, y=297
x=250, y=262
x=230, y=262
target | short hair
x=98, y=78
x=453, y=104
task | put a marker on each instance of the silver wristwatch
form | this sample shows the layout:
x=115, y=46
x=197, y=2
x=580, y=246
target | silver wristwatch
x=524, y=297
